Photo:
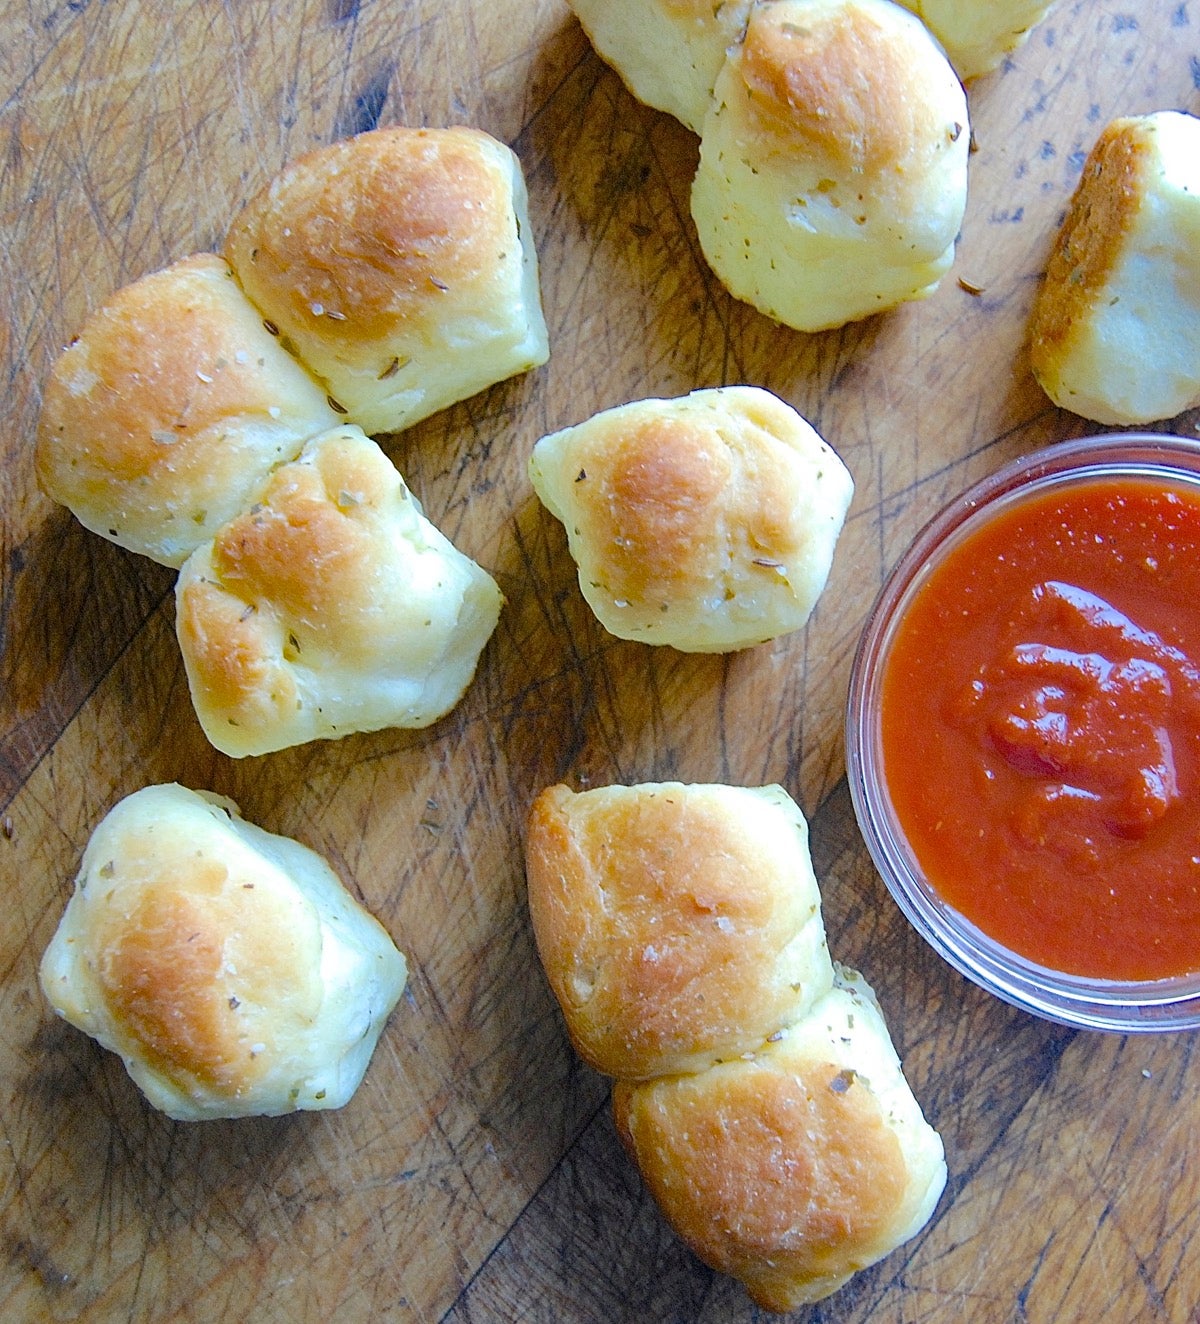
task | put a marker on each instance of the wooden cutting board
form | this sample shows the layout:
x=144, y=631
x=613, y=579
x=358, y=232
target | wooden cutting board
x=476, y=1175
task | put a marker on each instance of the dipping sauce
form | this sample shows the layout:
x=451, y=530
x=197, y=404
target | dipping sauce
x=1040, y=727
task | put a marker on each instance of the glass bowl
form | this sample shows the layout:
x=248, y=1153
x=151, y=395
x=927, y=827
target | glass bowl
x=1070, y=999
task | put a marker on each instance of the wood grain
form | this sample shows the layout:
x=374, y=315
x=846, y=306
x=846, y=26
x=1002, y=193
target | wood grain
x=476, y=1175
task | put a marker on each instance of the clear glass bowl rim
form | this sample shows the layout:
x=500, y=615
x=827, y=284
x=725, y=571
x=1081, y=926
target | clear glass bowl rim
x=1124, y=1007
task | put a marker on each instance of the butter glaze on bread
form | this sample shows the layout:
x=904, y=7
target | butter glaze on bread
x=797, y=1166
x=668, y=52
x=678, y=925
x=757, y=1087
x=707, y=522
x=833, y=162
x=978, y=34
x=164, y=417
x=1115, y=332
x=331, y=606
x=400, y=267
x=227, y=966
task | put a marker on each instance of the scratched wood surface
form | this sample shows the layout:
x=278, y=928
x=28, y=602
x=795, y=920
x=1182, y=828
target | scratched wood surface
x=476, y=1175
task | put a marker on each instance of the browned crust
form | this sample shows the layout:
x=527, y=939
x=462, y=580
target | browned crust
x=143, y=383
x=1101, y=214
x=168, y=960
x=787, y=1180
x=231, y=665
x=652, y=497
x=297, y=551
x=151, y=375
x=835, y=85
x=667, y=502
x=660, y=927
x=354, y=239
x=160, y=972
x=296, y=556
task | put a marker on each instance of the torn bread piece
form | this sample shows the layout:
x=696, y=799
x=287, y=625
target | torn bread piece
x=1115, y=332
x=678, y=925
x=667, y=52
x=797, y=1165
x=164, y=417
x=227, y=966
x=757, y=1090
x=331, y=606
x=978, y=34
x=399, y=266
x=833, y=162
x=707, y=522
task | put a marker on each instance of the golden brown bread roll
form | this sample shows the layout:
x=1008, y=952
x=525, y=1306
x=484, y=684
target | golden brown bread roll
x=978, y=34
x=227, y=966
x=834, y=136
x=798, y=1165
x=1115, y=333
x=399, y=265
x=707, y=522
x=833, y=162
x=164, y=417
x=758, y=1089
x=331, y=606
x=668, y=52
x=678, y=925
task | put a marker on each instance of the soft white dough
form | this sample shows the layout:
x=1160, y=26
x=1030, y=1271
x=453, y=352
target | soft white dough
x=668, y=52
x=227, y=966
x=707, y=522
x=1115, y=333
x=332, y=606
x=978, y=34
x=833, y=163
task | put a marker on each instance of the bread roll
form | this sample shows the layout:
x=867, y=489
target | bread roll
x=757, y=1087
x=668, y=52
x=164, y=417
x=678, y=925
x=1115, y=333
x=400, y=266
x=227, y=966
x=833, y=162
x=797, y=1166
x=978, y=34
x=331, y=606
x=707, y=522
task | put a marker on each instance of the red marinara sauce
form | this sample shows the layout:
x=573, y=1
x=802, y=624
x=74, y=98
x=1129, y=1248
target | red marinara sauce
x=1041, y=728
